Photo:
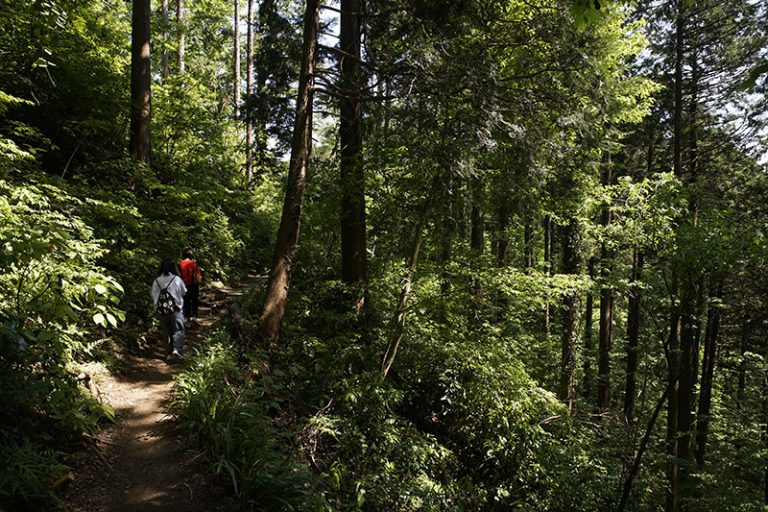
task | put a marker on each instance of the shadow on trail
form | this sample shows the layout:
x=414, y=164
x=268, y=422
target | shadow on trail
x=139, y=463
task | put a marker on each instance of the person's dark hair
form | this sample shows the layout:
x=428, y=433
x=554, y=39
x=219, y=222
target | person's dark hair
x=168, y=266
x=188, y=254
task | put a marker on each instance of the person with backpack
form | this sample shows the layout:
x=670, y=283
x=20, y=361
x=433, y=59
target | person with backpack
x=168, y=292
x=191, y=274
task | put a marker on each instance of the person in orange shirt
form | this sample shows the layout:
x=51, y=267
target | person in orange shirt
x=191, y=274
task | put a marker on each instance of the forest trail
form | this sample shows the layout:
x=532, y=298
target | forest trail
x=139, y=463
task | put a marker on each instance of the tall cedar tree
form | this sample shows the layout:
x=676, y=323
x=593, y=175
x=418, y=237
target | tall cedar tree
x=141, y=79
x=276, y=297
x=236, y=60
x=181, y=22
x=249, y=93
x=606, y=309
x=567, y=385
x=354, y=261
x=164, y=64
x=673, y=345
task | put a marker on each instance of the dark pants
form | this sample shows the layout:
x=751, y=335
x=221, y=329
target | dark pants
x=173, y=331
x=191, y=300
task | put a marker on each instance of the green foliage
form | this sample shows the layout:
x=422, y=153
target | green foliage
x=56, y=305
x=226, y=415
x=26, y=473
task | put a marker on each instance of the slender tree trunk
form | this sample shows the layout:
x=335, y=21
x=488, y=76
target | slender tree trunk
x=502, y=253
x=502, y=249
x=588, y=327
x=742, y=373
x=288, y=234
x=477, y=237
x=673, y=348
x=446, y=251
x=398, y=322
x=547, y=257
x=765, y=431
x=267, y=10
x=606, y=312
x=181, y=21
x=528, y=243
x=477, y=244
x=446, y=243
x=633, y=315
x=567, y=385
x=354, y=261
x=707, y=377
x=236, y=61
x=633, y=337
x=690, y=299
x=165, y=68
x=673, y=367
x=141, y=80
x=687, y=378
x=635, y=469
x=249, y=93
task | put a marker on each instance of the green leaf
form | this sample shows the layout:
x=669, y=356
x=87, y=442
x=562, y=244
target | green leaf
x=99, y=319
x=100, y=289
x=112, y=320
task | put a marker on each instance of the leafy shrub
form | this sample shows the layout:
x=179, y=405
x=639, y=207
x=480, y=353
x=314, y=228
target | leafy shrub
x=227, y=415
x=55, y=306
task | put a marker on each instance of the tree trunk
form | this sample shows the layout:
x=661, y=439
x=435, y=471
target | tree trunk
x=477, y=237
x=588, y=322
x=690, y=298
x=547, y=269
x=741, y=385
x=249, y=94
x=765, y=421
x=165, y=68
x=477, y=244
x=635, y=468
x=606, y=311
x=673, y=367
x=707, y=377
x=673, y=492
x=288, y=234
x=181, y=21
x=502, y=249
x=354, y=260
x=567, y=385
x=528, y=243
x=446, y=243
x=687, y=378
x=141, y=80
x=633, y=337
x=398, y=322
x=267, y=10
x=236, y=61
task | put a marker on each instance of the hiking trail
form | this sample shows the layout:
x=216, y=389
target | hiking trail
x=139, y=463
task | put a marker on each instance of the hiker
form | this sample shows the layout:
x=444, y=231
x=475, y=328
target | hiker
x=191, y=274
x=168, y=295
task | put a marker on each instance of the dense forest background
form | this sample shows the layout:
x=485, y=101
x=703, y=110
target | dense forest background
x=531, y=273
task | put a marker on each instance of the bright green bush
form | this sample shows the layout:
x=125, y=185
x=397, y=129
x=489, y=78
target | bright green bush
x=56, y=307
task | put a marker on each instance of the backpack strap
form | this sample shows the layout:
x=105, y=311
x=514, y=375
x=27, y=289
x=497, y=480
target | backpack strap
x=166, y=286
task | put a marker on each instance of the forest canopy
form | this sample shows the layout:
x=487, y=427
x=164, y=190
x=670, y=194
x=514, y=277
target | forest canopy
x=498, y=254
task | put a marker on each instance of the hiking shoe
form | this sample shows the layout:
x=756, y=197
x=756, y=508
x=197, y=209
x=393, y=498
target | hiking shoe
x=177, y=355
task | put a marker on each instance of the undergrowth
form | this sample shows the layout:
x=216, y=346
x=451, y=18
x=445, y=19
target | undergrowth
x=226, y=409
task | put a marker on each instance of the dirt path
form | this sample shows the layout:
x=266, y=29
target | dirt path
x=140, y=463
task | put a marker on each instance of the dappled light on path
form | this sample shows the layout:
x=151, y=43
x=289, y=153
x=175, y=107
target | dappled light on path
x=140, y=463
